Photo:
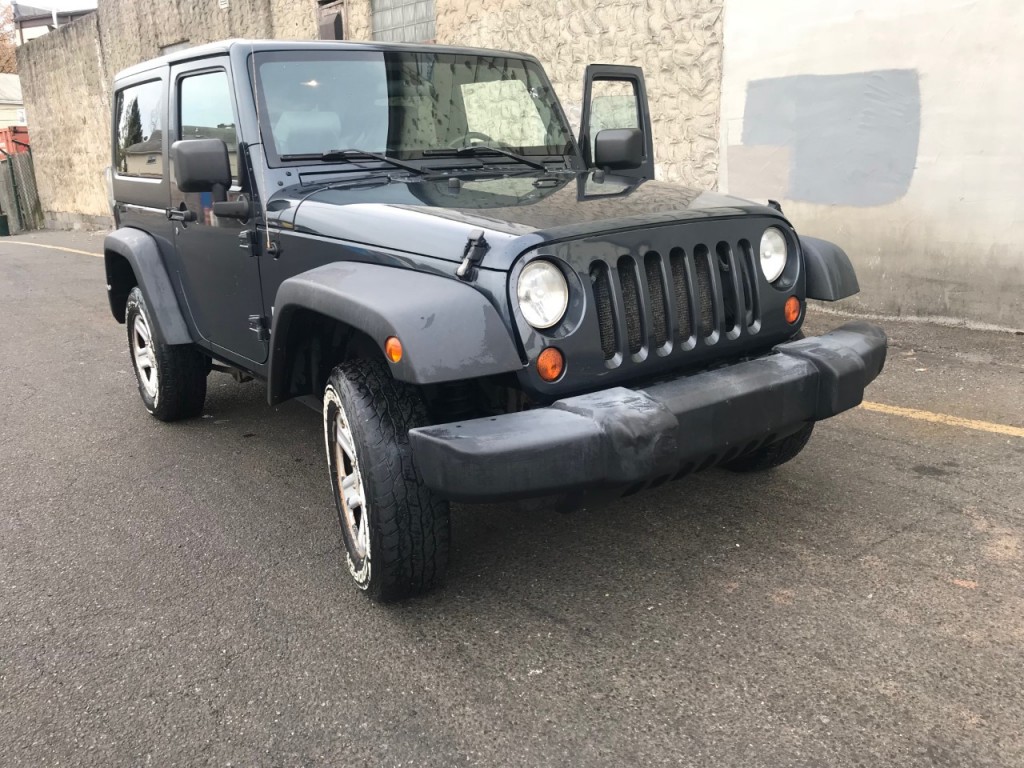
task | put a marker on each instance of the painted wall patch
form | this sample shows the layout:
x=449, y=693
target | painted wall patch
x=846, y=139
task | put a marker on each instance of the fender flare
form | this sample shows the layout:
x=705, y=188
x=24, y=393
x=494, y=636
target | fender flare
x=141, y=252
x=448, y=330
x=830, y=275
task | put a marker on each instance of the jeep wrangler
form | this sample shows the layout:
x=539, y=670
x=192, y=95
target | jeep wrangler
x=482, y=306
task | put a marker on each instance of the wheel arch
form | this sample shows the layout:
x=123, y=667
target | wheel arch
x=312, y=344
x=830, y=275
x=449, y=331
x=132, y=258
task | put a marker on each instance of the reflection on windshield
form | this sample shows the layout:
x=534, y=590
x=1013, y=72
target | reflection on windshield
x=403, y=103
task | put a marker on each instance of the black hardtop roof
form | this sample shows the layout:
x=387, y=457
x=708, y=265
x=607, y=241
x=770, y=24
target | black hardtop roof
x=227, y=46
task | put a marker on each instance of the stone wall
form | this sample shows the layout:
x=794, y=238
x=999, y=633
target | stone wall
x=677, y=42
x=358, y=25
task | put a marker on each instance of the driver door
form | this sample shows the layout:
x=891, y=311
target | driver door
x=218, y=272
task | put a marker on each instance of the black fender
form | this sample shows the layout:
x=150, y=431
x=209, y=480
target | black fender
x=449, y=330
x=830, y=275
x=141, y=252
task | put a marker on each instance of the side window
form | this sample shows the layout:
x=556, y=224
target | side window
x=613, y=104
x=140, y=130
x=205, y=112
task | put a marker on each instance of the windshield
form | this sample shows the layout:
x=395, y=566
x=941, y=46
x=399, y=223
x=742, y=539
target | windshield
x=405, y=104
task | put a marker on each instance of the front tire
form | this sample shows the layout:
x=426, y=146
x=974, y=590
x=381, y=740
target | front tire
x=396, y=530
x=171, y=378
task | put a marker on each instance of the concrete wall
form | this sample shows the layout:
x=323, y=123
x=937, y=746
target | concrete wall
x=67, y=99
x=893, y=128
x=679, y=42
x=66, y=78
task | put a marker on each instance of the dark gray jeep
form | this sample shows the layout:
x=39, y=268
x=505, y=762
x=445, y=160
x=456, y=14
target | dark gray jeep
x=482, y=306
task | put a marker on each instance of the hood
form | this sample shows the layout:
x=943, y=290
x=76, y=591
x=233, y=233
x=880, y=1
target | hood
x=435, y=217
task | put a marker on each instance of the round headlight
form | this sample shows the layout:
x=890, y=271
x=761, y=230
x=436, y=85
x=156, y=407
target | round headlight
x=773, y=254
x=543, y=294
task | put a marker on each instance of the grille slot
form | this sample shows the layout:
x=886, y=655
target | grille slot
x=656, y=290
x=631, y=302
x=727, y=275
x=603, y=302
x=749, y=277
x=681, y=292
x=705, y=301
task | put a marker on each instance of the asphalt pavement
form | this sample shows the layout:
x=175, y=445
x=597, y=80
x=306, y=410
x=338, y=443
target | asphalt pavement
x=175, y=594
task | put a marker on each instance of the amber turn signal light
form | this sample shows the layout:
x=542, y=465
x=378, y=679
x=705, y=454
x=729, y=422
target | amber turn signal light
x=393, y=349
x=792, y=309
x=550, y=364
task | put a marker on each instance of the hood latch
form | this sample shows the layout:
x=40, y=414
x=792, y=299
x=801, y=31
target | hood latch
x=472, y=255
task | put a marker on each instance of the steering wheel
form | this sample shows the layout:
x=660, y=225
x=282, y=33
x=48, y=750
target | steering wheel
x=471, y=138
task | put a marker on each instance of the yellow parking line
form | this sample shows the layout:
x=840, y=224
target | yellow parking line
x=51, y=247
x=943, y=418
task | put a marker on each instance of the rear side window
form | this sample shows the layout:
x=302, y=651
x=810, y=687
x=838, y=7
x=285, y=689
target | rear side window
x=206, y=111
x=139, y=121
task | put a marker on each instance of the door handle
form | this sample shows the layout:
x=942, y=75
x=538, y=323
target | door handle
x=180, y=214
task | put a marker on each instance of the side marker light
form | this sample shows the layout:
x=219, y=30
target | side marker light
x=393, y=349
x=792, y=309
x=550, y=364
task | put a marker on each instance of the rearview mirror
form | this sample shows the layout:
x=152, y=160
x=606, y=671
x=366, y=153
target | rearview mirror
x=619, y=149
x=202, y=165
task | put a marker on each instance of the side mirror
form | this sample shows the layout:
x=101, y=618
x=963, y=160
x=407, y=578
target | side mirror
x=619, y=149
x=615, y=103
x=202, y=165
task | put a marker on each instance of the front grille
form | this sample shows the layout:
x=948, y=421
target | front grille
x=707, y=288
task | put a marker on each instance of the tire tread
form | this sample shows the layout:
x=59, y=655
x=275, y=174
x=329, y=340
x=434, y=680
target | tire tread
x=181, y=367
x=410, y=530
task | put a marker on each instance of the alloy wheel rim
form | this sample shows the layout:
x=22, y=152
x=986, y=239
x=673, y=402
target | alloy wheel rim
x=349, y=483
x=144, y=356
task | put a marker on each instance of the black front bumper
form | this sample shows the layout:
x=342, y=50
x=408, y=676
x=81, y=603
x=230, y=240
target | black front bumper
x=619, y=437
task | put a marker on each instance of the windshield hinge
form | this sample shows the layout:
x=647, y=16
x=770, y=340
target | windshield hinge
x=472, y=255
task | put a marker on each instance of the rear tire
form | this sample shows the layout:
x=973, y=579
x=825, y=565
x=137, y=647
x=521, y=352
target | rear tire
x=773, y=454
x=171, y=378
x=396, y=530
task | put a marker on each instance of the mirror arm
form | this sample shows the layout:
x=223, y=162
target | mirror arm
x=236, y=209
x=219, y=192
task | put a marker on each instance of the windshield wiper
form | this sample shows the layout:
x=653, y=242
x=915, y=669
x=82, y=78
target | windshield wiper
x=349, y=154
x=478, y=149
